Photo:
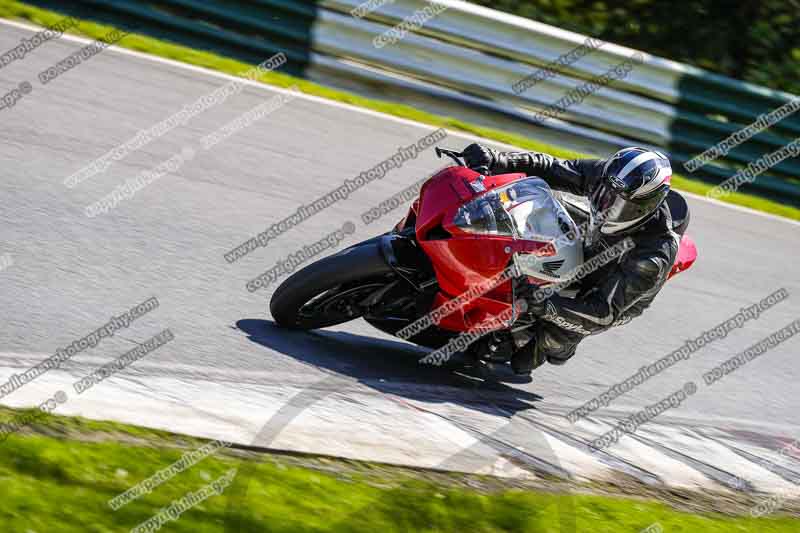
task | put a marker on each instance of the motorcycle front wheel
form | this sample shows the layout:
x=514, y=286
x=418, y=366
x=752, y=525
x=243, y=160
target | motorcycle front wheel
x=328, y=292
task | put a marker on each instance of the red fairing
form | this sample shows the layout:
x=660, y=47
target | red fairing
x=464, y=263
x=687, y=255
x=464, y=260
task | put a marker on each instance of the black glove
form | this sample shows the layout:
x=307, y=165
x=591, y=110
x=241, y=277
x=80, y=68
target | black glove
x=479, y=158
x=483, y=159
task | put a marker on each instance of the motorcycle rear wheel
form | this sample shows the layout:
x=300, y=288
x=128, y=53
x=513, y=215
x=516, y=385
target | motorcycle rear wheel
x=326, y=292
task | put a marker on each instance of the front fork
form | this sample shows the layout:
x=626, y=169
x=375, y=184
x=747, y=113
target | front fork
x=402, y=253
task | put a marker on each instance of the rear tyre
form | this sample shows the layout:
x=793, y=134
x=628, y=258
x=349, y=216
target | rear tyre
x=327, y=292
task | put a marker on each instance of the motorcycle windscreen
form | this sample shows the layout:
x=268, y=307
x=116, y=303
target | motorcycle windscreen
x=527, y=210
x=542, y=218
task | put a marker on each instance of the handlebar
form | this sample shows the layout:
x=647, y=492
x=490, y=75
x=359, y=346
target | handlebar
x=457, y=157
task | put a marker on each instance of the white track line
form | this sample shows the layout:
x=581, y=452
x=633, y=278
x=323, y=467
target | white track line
x=349, y=107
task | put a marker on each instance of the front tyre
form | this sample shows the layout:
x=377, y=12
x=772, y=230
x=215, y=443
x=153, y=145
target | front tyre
x=329, y=291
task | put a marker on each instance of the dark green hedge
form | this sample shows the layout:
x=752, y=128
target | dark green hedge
x=752, y=40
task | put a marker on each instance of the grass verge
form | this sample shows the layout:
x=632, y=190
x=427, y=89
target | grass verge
x=156, y=47
x=60, y=473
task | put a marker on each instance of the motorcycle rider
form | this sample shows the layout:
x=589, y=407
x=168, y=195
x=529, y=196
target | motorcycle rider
x=627, y=194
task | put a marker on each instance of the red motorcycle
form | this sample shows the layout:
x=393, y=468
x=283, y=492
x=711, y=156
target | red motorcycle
x=464, y=231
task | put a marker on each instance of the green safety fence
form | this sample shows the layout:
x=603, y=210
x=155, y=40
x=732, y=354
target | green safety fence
x=709, y=107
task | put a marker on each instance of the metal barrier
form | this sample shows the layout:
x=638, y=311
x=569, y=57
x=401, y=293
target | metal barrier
x=474, y=54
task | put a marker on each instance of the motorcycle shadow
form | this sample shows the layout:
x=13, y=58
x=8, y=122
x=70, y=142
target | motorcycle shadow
x=390, y=367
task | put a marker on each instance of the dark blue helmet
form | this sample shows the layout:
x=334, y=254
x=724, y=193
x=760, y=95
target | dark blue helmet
x=634, y=184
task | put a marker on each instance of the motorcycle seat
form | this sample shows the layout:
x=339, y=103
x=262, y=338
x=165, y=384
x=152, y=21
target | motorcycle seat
x=679, y=209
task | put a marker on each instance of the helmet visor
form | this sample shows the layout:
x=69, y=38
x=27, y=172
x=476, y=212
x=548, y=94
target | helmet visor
x=612, y=213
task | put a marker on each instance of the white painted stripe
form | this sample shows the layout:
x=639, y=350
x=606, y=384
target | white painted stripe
x=671, y=471
x=635, y=162
x=739, y=208
x=656, y=182
x=712, y=453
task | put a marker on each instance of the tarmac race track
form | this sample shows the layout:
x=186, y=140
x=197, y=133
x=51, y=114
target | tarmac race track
x=349, y=391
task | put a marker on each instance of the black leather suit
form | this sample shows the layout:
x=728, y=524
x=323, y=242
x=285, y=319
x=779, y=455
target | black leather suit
x=610, y=296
